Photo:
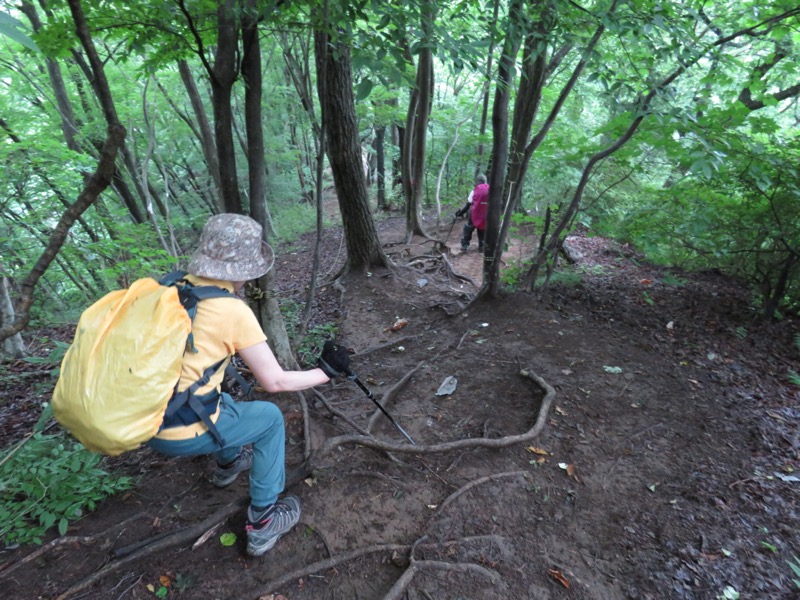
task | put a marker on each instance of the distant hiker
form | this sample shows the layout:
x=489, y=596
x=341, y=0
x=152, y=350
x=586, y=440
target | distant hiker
x=475, y=209
x=231, y=252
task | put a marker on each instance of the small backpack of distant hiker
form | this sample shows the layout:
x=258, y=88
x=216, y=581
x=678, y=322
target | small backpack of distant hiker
x=480, y=205
x=119, y=377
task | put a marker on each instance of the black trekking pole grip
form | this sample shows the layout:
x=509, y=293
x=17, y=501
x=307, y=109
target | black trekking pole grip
x=353, y=377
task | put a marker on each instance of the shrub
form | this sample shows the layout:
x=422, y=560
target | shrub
x=50, y=480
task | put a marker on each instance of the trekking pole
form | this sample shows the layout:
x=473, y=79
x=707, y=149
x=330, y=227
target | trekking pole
x=453, y=224
x=353, y=377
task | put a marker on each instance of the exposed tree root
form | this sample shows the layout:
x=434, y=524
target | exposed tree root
x=315, y=460
x=399, y=588
x=346, y=557
x=475, y=483
x=452, y=271
x=103, y=536
x=318, y=566
x=394, y=342
x=391, y=394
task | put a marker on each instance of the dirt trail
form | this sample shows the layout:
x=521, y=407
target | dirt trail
x=664, y=469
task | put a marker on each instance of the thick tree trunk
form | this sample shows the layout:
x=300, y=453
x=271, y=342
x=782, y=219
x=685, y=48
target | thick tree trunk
x=344, y=154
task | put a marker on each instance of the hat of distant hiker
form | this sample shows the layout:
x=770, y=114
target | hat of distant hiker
x=231, y=249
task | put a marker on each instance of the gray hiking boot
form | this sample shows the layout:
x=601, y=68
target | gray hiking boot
x=266, y=528
x=224, y=476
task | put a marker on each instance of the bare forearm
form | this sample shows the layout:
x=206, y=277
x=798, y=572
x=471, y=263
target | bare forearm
x=292, y=381
x=272, y=377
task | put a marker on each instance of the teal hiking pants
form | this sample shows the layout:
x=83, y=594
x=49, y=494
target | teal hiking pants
x=240, y=423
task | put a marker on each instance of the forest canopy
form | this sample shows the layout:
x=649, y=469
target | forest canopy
x=669, y=125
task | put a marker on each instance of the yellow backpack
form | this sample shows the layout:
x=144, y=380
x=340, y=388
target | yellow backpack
x=122, y=368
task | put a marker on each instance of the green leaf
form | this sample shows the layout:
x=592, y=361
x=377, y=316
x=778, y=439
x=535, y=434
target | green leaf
x=770, y=547
x=364, y=89
x=9, y=27
x=227, y=539
x=62, y=526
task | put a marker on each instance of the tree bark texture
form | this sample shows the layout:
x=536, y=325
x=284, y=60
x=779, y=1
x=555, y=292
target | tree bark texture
x=419, y=140
x=222, y=78
x=380, y=154
x=344, y=154
x=12, y=346
x=68, y=125
x=485, y=110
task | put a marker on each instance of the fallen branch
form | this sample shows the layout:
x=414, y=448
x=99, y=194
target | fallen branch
x=184, y=535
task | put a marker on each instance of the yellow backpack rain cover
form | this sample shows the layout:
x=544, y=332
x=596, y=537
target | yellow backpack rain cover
x=122, y=367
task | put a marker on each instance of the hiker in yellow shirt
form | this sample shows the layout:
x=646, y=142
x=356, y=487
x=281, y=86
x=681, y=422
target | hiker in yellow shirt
x=248, y=435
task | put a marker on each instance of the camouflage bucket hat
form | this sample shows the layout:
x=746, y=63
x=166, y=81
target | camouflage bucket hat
x=231, y=249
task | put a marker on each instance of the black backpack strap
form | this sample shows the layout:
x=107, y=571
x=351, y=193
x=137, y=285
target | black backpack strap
x=201, y=407
x=172, y=278
x=233, y=373
x=189, y=295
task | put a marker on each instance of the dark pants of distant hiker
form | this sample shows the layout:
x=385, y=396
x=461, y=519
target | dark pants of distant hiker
x=466, y=236
x=241, y=423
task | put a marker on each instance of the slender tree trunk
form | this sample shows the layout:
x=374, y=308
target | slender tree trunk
x=65, y=111
x=418, y=126
x=222, y=78
x=380, y=153
x=425, y=77
x=514, y=33
x=268, y=310
x=528, y=102
x=344, y=154
x=12, y=346
x=207, y=142
x=407, y=149
x=485, y=112
x=320, y=131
